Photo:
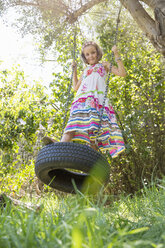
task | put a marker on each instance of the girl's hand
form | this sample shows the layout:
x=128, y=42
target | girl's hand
x=74, y=64
x=106, y=65
x=115, y=49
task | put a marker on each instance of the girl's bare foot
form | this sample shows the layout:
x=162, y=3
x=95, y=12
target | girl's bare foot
x=47, y=140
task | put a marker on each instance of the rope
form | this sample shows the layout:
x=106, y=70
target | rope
x=110, y=69
x=70, y=84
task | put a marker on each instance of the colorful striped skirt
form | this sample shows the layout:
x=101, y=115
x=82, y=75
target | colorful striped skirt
x=85, y=122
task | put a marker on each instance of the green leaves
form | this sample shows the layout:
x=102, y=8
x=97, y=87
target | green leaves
x=22, y=111
x=138, y=101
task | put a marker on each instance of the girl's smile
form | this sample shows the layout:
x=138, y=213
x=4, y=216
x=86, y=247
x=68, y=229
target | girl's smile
x=90, y=54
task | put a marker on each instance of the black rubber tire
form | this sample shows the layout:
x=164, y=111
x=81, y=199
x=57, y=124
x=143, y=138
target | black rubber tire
x=55, y=159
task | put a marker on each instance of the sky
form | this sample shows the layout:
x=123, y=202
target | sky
x=18, y=50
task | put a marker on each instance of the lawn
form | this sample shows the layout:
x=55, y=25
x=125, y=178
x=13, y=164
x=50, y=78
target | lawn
x=80, y=221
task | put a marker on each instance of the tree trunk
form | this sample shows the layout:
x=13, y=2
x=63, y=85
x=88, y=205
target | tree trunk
x=154, y=29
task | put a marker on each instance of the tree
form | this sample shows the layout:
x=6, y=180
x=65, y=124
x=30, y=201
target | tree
x=58, y=13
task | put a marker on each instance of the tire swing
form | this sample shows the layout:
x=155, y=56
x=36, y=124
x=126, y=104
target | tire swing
x=68, y=166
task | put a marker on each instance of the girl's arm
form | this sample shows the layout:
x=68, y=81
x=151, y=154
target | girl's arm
x=76, y=82
x=119, y=70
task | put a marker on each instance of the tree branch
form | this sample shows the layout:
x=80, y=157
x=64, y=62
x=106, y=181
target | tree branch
x=23, y=3
x=146, y=23
x=72, y=18
x=55, y=7
x=150, y=3
x=4, y=199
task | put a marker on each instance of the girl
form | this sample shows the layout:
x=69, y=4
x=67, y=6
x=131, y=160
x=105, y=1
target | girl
x=84, y=120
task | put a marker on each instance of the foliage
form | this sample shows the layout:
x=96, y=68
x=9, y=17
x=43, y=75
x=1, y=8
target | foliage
x=27, y=113
x=24, y=114
x=138, y=101
x=82, y=221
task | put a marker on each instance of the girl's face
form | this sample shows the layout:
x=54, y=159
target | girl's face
x=90, y=54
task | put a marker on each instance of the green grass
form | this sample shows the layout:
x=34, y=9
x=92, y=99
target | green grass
x=78, y=221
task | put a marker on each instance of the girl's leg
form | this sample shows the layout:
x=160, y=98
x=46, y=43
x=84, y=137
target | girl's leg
x=67, y=136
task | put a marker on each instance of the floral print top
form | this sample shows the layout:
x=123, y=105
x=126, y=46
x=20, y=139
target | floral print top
x=99, y=68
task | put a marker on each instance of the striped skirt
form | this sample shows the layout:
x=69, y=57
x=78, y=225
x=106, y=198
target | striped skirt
x=85, y=122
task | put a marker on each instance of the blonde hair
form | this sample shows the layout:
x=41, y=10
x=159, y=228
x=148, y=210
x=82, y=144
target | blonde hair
x=98, y=49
